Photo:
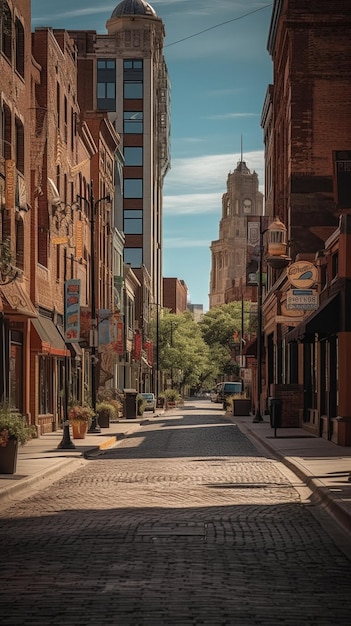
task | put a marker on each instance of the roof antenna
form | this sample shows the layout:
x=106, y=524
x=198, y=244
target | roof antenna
x=241, y=148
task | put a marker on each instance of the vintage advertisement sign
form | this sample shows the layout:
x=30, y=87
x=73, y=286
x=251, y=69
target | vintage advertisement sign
x=10, y=189
x=302, y=299
x=72, y=311
x=302, y=274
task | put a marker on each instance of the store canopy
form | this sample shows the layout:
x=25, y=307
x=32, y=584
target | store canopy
x=47, y=337
x=324, y=321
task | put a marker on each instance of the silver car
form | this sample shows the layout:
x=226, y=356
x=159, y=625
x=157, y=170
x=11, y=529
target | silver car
x=150, y=402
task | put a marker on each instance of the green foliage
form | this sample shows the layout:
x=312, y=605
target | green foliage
x=107, y=407
x=14, y=426
x=184, y=356
x=221, y=330
x=141, y=404
x=171, y=395
x=80, y=413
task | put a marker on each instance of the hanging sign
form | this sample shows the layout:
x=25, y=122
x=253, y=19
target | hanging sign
x=302, y=274
x=72, y=311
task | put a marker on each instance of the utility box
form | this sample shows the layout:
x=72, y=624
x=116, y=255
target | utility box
x=275, y=412
x=130, y=403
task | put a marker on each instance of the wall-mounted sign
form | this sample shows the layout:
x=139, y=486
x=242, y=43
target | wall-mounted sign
x=302, y=274
x=72, y=311
x=302, y=299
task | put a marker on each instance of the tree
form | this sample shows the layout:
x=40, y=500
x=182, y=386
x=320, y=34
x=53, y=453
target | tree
x=221, y=329
x=184, y=356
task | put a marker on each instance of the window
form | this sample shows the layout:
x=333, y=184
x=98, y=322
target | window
x=133, y=256
x=133, y=122
x=106, y=84
x=133, y=156
x=133, y=64
x=58, y=105
x=19, y=145
x=247, y=206
x=6, y=30
x=133, y=222
x=133, y=89
x=133, y=188
x=19, y=47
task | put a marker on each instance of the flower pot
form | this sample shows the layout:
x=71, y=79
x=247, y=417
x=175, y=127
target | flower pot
x=79, y=429
x=8, y=457
x=104, y=418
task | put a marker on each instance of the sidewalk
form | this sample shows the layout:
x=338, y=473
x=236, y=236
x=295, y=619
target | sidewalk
x=41, y=458
x=320, y=464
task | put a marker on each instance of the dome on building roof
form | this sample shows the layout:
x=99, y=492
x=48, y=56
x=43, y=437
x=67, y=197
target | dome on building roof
x=133, y=7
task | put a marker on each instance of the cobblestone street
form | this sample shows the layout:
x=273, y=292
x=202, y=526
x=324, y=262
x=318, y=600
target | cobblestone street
x=183, y=522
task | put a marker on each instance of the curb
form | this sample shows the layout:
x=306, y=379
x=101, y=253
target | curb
x=320, y=494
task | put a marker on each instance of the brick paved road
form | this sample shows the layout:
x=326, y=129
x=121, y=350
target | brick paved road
x=184, y=522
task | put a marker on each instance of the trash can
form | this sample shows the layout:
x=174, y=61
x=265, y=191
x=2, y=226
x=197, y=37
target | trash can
x=275, y=412
x=130, y=403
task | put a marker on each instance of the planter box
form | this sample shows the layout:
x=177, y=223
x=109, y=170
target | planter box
x=241, y=406
x=8, y=457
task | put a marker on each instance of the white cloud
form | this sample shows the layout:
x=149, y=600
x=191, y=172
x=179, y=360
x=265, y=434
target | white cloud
x=229, y=116
x=194, y=186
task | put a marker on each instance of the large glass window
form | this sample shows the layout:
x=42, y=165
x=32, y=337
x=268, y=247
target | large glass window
x=133, y=64
x=133, y=156
x=133, y=122
x=106, y=84
x=133, y=188
x=133, y=89
x=133, y=221
x=133, y=256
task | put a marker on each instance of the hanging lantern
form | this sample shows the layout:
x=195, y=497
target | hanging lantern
x=277, y=245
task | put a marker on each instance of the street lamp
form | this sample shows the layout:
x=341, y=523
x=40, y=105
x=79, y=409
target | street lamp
x=258, y=417
x=278, y=259
x=93, y=205
x=93, y=335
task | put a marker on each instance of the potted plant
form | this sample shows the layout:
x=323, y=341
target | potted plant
x=172, y=397
x=14, y=431
x=106, y=412
x=80, y=417
x=141, y=404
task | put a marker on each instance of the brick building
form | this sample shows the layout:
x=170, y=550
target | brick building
x=305, y=118
x=16, y=309
x=175, y=295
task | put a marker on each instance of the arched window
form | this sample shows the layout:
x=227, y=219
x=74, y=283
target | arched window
x=19, y=47
x=6, y=30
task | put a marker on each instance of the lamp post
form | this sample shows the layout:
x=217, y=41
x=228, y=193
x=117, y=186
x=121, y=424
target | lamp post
x=277, y=259
x=93, y=338
x=66, y=443
x=258, y=416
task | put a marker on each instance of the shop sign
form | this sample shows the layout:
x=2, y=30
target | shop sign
x=72, y=311
x=302, y=274
x=302, y=299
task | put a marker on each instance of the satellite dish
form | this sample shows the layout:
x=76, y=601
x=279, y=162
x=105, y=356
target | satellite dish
x=56, y=199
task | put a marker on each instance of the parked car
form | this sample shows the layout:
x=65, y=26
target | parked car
x=229, y=388
x=150, y=402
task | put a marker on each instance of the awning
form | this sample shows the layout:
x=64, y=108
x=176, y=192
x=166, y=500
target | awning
x=324, y=321
x=47, y=338
x=75, y=349
x=15, y=298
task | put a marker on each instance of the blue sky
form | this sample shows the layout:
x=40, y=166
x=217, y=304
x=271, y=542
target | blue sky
x=218, y=80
